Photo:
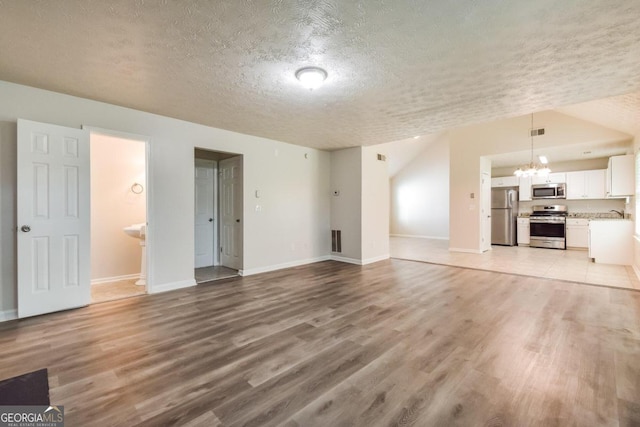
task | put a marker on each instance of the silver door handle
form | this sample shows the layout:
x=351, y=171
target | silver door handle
x=25, y=228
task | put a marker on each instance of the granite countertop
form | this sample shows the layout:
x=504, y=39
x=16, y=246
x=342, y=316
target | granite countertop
x=597, y=215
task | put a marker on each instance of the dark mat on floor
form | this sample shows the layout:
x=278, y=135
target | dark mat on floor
x=27, y=389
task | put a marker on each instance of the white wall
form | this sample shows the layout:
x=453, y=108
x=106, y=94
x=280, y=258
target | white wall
x=346, y=208
x=469, y=144
x=292, y=228
x=420, y=194
x=116, y=164
x=569, y=166
x=634, y=208
x=375, y=207
x=361, y=210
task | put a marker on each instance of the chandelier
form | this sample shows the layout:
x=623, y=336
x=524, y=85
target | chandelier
x=531, y=169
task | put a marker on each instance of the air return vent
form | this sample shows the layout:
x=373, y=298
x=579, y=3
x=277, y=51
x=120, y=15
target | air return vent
x=382, y=157
x=537, y=132
x=336, y=241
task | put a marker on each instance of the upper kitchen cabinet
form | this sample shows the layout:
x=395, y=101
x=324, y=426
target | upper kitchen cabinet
x=620, y=176
x=504, y=181
x=524, y=192
x=586, y=184
x=555, y=178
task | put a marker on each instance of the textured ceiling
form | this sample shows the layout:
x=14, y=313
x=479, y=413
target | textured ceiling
x=396, y=68
x=620, y=113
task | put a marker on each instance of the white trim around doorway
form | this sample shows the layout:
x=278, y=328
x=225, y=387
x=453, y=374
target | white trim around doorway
x=149, y=192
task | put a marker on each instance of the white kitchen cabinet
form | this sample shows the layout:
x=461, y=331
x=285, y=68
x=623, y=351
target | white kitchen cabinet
x=586, y=184
x=504, y=181
x=620, y=176
x=577, y=232
x=524, y=190
x=523, y=231
x=555, y=178
x=611, y=241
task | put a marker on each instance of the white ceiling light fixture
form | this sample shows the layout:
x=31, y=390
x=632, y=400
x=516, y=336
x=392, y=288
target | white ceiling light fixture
x=543, y=159
x=532, y=168
x=311, y=77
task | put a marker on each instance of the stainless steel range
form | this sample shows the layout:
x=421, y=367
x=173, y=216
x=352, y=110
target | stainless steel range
x=547, y=225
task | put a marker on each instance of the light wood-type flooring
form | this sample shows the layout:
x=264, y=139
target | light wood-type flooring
x=331, y=344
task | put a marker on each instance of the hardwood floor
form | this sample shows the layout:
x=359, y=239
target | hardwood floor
x=393, y=343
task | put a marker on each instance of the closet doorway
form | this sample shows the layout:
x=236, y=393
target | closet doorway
x=218, y=215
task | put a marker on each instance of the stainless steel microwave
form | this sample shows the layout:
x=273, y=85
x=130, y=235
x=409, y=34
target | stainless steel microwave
x=549, y=191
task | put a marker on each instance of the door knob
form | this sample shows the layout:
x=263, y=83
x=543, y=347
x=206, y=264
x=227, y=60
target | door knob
x=237, y=220
x=210, y=219
x=25, y=228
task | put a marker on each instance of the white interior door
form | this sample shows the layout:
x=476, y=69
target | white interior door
x=485, y=211
x=231, y=212
x=53, y=218
x=205, y=220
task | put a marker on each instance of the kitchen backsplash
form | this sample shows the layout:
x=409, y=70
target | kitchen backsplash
x=582, y=206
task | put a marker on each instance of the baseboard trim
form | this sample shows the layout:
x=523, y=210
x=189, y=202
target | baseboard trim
x=7, y=315
x=114, y=278
x=375, y=259
x=360, y=261
x=258, y=270
x=346, y=260
x=419, y=236
x=172, y=286
x=468, y=251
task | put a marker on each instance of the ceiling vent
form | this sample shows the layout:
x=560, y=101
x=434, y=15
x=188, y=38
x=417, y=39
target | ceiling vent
x=537, y=132
x=382, y=157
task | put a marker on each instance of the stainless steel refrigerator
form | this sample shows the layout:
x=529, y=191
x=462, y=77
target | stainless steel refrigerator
x=504, y=214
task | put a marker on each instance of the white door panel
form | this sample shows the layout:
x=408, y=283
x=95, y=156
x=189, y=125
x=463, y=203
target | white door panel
x=53, y=218
x=205, y=221
x=231, y=212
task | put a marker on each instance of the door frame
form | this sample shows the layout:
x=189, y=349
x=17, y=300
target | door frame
x=150, y=236
x=217, y=259
x=485, y=212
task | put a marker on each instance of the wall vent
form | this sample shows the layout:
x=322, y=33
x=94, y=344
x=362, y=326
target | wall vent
x=537, y=132
x=336, y=241
x=382, y=157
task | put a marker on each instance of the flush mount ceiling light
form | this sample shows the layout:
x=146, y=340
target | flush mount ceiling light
x=532, y=168
x=311, y=77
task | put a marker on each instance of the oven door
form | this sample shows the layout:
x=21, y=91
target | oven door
x=547, y=233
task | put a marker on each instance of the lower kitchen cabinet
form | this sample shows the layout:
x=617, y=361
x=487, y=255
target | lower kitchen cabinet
x=577, y=233
x=523, y=231
x=611, y=241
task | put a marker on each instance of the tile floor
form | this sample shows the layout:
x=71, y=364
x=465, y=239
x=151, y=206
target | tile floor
x=207, y=274
x=572, y=265
x=116, y=290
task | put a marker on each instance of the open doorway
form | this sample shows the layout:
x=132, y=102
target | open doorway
x=218, y=215
x=118, y=217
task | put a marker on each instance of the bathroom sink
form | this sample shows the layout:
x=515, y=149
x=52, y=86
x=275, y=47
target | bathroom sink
x=139, y=231
x=136, y=230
